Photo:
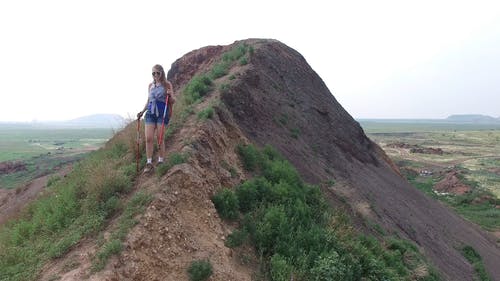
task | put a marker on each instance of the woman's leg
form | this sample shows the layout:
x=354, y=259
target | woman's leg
x=161, y=153
x=149, y=132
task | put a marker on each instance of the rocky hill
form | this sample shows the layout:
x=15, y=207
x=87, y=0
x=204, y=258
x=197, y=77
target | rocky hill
x=271, y=97
x=279, y=100
x=473, y=118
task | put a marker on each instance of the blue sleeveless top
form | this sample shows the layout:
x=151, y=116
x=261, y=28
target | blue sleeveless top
x=156, y=100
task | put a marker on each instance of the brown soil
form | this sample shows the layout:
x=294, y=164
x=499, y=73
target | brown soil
x=8, y=167
x=413, y=148
x=12, y=201
x=495, y=170
x=451, y=183
x=276, y=99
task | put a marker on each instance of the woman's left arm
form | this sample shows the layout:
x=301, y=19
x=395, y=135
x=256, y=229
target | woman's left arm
x=170, y=91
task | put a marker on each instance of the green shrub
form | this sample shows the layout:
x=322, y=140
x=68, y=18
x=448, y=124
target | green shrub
x=243, y=61
x=130, y=170
x=475, y=259
x=206, y=113
x=226, y=203
x=112, y=247
x=281, y=170
x=293, y=228
x=272, y=229
x=200, y=270
x=250, y=156
x=219, y=70
x=197, y=87
x=470, y=254
x=295, y=132
x=118, y=150
x=251, y=193
x=332, y=266
x=280, y=269
x=61, y=247
x=235, y=53
x=236, y=239
x=271, y=153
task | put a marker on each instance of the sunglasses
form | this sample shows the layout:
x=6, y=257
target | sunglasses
x=156, y=73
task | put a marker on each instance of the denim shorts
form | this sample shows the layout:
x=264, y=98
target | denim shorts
x=151, y=118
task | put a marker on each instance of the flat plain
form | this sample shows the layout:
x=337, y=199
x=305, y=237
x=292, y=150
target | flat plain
x=28, y=152
x=458, y=164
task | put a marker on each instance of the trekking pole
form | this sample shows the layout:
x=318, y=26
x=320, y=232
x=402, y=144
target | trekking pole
x=162, y=131
x=138, y=142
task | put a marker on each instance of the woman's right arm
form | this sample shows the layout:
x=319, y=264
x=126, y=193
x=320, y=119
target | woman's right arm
x=139, y=115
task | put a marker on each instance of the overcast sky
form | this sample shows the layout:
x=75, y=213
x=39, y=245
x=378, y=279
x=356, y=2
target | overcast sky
x=381, y=59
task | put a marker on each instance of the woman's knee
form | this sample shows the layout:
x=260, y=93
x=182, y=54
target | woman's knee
x=149, y=139
x=149, y=134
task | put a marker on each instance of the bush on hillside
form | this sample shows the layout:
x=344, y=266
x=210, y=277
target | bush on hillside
x=200, y=270
x=197, y=87
x=206, y=113
x=219, y=70
x=250, y=156
x=293, y=227
x=235, y=53
x=226, y=204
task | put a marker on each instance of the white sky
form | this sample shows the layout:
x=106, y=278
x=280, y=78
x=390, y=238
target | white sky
x=381, y=59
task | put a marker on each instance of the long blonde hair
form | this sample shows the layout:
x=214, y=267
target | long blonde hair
x=163, y=78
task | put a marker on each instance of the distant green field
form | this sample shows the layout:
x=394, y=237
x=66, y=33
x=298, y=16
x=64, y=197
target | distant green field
x=26, y=142
x=43, y=149
x=470, y=149
x=402, y=126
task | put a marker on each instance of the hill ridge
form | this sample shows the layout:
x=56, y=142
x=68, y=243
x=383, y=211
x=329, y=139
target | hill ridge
x=274, y=98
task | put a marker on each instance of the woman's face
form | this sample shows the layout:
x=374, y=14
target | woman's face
x=156, y=74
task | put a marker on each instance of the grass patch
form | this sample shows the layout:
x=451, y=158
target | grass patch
x=200, y=85
x=243, y=61
x=172, y=160
x=478, y=206
x=197, y=87
x=236, y=53
x=72, y=208
x=475, y=259
x=220, y=70
x=297, y=234
x=226, y=204
x=200, y=270
x=224, y=88
x=295, y=133
x=206, y=113
x=127, y=220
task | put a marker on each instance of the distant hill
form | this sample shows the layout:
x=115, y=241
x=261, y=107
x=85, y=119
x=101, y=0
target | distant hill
x=472, y=118
x=112, y=121
x=98, y=121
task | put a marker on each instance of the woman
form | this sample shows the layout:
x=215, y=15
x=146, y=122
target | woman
x=158, y=90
